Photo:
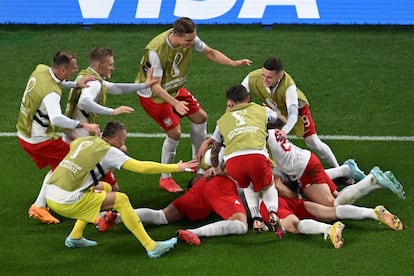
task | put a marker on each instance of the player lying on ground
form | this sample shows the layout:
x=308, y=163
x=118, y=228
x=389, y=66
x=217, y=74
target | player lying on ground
x=218, y=194
x=300, y=216
x=303, y=166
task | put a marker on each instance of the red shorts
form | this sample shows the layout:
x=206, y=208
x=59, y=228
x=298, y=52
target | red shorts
x=109, y=178
x=315, y=174
x=307, y=120
x=250, y=168
x=164, y=114
x=217, y=194
x=48, y=153
x=287, y=206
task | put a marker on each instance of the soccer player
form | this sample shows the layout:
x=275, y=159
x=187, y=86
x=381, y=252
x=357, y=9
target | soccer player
x=299, y=216
x=88, y=103
x=243, y=130
x=40, y=113
x=276, y=88
x=303, y=166
x=217, y=194
x=74, y=191
x=169, y=53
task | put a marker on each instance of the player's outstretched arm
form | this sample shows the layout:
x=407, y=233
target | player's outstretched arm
x=150, y=167
x=219, y=57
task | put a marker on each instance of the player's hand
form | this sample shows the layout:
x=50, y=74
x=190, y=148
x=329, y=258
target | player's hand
x=189, y=166
x=181, y=107
x=203, y=148
x=242, y=62
x=281, y=134
x=212, y=171
x=83, y=82
x=92, y=128
x=122, y=109
x=150, y=81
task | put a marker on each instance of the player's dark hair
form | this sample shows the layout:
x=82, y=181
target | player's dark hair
x=273, y=64
x=184, y=25
x=112, y=128
x=99, y=54
x=237, y=93
x=63, y=58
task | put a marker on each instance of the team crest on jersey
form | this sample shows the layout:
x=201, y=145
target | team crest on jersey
x=82, y=146
x=167, y=121
x=239, y=116
x=175, y=72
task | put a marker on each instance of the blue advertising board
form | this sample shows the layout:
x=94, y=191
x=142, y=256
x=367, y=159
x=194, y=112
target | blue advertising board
x=266, y=12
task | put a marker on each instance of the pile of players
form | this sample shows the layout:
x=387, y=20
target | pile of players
x=248, y=170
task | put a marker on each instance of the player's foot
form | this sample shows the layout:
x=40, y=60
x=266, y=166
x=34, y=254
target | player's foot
x=276, y=225
x=386, y=182
x=348, y=181
x=162, y=247
x=188, y=236
x=259, y=226
x=42, y=214
x=387, y=218
x=79, y=243
x=397, y=188
x=335, y=234
x=106, y=221
x=356, y=173
x=170, y=185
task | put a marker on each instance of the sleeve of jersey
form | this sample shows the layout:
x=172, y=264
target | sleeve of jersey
x=199, y=45
x=245, y=83
x=123, y=88
x=69, y=84
x=148, y=167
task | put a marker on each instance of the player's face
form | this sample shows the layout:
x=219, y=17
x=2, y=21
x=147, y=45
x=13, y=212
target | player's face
x=67, y=71
x=269, y=78
x=120, y=141
x=187, y=40
x=106, y=67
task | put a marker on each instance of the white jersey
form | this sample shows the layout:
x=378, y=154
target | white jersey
x=114, y=158
x=290, y=159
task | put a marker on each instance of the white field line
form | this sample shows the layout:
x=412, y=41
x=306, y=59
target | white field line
x=324, y=137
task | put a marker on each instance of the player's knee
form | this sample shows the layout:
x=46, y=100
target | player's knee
x=121, y=199
x=107, y=187
x=240, y=227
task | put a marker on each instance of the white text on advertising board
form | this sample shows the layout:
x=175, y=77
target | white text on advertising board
x=200, y=10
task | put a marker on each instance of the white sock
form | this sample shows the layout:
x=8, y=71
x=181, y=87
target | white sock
x=312, y=227
x=220, y=228
x=322, y=149
x=337, y=172
x=149, y=216
x=354, y=212
x=41, y=198
x=352, y=193
x=252, y=200
x=270, y=198
x=198, y=133
x=169, y=147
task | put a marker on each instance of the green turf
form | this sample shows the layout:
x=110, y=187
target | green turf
x=358, y=80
